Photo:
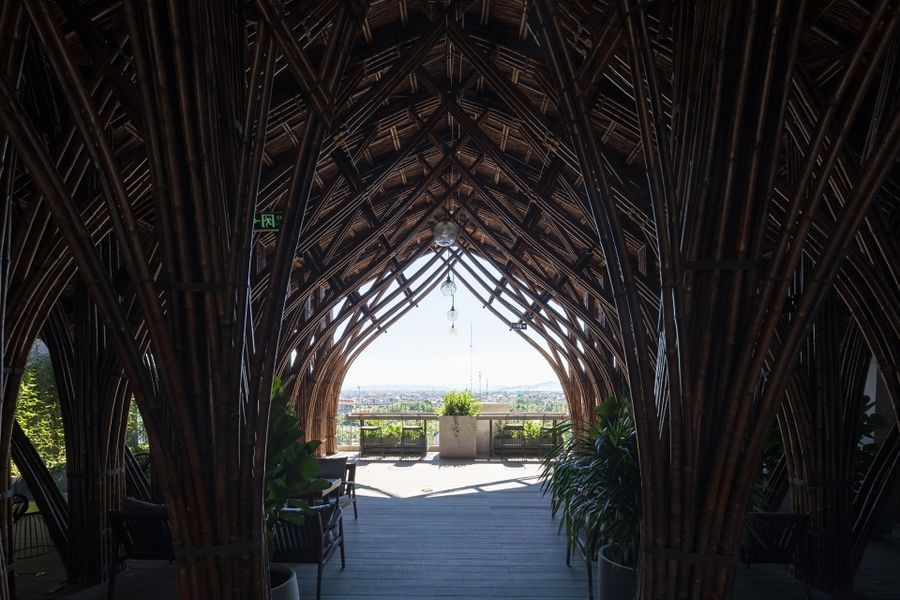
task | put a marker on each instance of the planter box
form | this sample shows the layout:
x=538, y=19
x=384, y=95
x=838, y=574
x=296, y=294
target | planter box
x=517, y=445
x=412, y=441
x=371, y=444
x=457, y=437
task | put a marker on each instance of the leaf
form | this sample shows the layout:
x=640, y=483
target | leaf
x=309, y=467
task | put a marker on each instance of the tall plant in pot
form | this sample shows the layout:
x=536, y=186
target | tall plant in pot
x=457, y=425
x=291, y=471
x=593, y=479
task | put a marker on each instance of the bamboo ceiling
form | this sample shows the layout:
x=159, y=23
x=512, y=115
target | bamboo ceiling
x=667, y=193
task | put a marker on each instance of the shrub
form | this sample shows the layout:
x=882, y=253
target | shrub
x=460, y=404
x=392, y=430
x=534, y=431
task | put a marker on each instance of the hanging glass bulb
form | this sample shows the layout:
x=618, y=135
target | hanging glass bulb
x=448, y=288
x=453, y=330
x=452, y=315
x=445, y=233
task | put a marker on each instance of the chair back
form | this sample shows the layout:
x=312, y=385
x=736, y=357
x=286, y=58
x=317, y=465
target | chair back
x=308, y=542
x=142, y=534
x=333, y=467
x=19, y=506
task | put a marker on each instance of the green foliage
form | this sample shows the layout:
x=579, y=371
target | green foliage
x=291, y=466
x=371, y=433
x=531, y=430
x=392, y=430
x=135, y=433
x=869, y=422
x=460, y=404
x=385, y=430
x=594, y=479
x=38, y=411
x=534, y=431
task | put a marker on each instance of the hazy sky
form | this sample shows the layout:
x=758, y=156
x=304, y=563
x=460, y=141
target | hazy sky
x=418, y=350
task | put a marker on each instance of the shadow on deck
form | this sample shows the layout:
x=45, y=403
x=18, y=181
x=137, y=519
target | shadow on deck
x=439, y=529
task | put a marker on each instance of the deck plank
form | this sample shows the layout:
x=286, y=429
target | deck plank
x=449, y=530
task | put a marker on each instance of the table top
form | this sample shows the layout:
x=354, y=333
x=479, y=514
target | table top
x=333, y=485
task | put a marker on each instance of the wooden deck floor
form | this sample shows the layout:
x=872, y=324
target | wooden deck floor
x=434, y=529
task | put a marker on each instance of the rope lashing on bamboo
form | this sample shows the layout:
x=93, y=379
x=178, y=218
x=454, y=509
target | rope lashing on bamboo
x=715, y=560
x=820, y=483
x=235, y=549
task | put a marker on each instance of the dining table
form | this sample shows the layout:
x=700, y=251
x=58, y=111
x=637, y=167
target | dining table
x=323, y=494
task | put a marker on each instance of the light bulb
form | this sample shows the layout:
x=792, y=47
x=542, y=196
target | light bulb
x=448, y=288
x=445, y=233
x=452, y=315
x=453, y=331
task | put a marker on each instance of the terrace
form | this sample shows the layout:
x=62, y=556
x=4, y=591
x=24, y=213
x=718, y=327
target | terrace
x=440, y=529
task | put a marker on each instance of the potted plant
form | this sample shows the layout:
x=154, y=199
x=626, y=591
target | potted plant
x=390, y=434
x=594, y=480
x=291, y=471
x=457, y=425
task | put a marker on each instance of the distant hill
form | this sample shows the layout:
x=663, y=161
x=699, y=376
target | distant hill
x=349, y=391
x=544, y=386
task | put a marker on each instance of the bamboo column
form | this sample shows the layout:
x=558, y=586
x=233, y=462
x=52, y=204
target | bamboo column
x=703, y=405
x=196, y=306
x=94, y=400
x=821, y=417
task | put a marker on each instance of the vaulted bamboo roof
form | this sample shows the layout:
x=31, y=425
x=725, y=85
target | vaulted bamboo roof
x=442, y=110
x=666, y=193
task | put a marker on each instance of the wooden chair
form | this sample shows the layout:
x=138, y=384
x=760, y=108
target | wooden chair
x=314, y=542
x=141, y=534
x=28, y=537
x=349, y=493
x=339, y=468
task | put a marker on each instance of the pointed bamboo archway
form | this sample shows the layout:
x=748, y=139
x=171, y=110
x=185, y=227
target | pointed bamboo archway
x=678, y=187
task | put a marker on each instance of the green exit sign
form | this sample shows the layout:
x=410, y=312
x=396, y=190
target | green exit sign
x=267, y=221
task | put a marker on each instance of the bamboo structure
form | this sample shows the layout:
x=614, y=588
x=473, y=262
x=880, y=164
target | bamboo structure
x=668, y=194
x=820, y=423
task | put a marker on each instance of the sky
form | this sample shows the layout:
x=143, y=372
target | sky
x=419, y=351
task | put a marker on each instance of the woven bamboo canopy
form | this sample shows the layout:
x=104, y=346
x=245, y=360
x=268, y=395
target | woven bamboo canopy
x=669, y=192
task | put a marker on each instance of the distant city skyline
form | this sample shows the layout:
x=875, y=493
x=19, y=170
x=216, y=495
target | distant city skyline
x=418, y=351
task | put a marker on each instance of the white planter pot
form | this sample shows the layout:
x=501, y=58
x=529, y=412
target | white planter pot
x=614, y=581
x=457, y=439
x=284, y=582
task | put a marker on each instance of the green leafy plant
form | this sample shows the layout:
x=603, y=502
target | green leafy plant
x=593, y=478
x=392, y=430
x=869, y=422
x=291, y=467
x=460, y=404
x=38, y=412
x=500, y=432
x=534, y=431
